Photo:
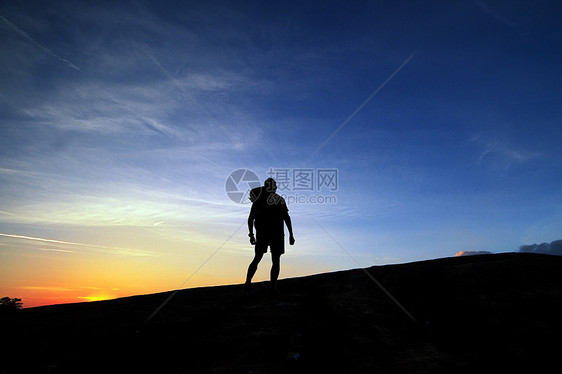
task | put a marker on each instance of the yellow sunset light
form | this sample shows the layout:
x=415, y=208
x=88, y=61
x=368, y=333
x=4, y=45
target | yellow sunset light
x=96, y=297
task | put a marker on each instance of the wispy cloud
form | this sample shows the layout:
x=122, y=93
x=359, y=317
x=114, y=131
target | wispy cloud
x=17, y=172
x=502, y=150
x=31, y=40
x=104, y=109
x=136, y=110
x=179, y=85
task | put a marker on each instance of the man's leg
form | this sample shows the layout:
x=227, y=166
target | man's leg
x=275, y=268
x=253, y=267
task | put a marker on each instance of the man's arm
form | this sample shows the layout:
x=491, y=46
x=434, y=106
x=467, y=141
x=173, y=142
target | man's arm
x=287, y=220
x=251, y=226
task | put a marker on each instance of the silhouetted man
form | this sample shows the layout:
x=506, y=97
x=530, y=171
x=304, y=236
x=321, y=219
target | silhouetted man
x=268, y=213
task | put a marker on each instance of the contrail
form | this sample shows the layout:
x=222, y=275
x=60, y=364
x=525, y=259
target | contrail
x=54, y=241
x=379, y=88
x=35, y=43
x=42, y=240
x=203, y=109
x=491, y=12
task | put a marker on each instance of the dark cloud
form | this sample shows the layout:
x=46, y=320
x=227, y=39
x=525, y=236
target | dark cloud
x=552, y=248
x=472, y=253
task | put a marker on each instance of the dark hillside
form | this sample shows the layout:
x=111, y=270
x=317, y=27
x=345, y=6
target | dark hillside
x=490, y=312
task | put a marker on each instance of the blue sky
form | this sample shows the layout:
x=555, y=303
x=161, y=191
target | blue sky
x=120, y=123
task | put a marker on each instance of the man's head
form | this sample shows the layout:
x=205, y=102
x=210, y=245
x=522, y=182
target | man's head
x=270, y=185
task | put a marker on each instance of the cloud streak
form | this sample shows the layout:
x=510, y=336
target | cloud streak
x=502, y=150
x=27, y=37
x=110, y=250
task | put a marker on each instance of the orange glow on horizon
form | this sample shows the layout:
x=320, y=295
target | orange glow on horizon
x=52, y=295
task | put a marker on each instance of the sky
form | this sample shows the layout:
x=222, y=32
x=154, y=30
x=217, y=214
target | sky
x=400, y=130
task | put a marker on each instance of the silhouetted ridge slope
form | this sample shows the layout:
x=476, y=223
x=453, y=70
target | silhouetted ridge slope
x=477, y=312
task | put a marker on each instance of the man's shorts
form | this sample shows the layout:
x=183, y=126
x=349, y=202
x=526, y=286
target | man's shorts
x=276, y=245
